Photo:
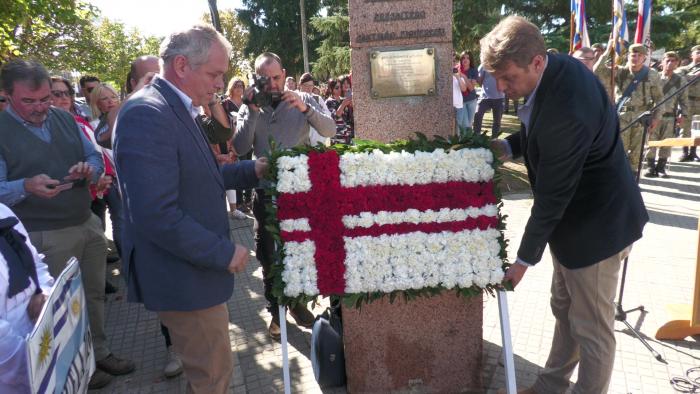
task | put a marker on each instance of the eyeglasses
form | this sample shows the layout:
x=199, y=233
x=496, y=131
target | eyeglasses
x=309, y=84
x=2, y=99
x=60, y=93
x=238, y=85
x=586, y=58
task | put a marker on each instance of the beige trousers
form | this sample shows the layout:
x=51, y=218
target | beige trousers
x=202, y=341
x=583, y=305
x=87, y=243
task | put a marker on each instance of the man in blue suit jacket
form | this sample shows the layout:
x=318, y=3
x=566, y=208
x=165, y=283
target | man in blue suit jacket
x=587, y=205
x=178, y=259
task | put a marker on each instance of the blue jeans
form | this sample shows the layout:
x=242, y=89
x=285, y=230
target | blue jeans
x=465, y=115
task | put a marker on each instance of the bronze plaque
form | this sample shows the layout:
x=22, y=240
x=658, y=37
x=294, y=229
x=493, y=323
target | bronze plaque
x=406, y=72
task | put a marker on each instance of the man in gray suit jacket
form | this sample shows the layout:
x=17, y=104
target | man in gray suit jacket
x=178, y=259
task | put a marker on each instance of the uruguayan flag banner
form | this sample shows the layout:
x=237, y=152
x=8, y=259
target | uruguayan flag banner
x=59, y=349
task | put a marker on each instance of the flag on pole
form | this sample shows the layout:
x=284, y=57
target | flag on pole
x=620, y=32
x=580, y=32
x=643, y=33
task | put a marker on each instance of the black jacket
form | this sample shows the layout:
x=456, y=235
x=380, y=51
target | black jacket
x=587, y=205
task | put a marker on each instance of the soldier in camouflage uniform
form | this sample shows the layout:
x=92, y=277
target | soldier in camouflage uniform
x=670, y=83
x=690, y=72
x=645, y=96
x=601, y=68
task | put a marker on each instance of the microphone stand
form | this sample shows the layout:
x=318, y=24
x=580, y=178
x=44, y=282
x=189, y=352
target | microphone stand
x=620, y=313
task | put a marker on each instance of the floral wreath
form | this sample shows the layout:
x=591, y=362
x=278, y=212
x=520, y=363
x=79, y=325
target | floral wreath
x=413, y=218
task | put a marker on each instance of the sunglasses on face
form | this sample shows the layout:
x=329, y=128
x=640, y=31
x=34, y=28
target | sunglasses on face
x=2, y=99
x=60, y=93
x=238, y=85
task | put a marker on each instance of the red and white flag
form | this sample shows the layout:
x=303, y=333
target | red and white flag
x=368, y=222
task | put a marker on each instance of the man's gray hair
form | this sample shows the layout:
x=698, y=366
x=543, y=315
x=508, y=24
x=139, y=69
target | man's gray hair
x=27, y=71
x=193, y=43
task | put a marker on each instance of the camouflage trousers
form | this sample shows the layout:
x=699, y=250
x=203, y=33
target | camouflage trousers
x=693, y=109
x=665, y=129
x=632, y=139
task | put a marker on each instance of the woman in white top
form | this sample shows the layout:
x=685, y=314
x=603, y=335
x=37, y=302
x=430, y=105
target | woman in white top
x=19, y=305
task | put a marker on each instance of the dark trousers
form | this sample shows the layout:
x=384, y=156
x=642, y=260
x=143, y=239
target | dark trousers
x=113, y=200
x=244, y=196
x=496, y=106
x=264, y=248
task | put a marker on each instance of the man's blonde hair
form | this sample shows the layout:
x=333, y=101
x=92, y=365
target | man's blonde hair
x=514, y=39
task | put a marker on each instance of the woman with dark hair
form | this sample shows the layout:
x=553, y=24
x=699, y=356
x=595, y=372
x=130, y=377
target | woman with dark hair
x=346, y=108
x=465, y=116
x=333, y=102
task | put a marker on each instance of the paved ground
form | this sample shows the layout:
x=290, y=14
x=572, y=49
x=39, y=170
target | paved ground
x=661, y=272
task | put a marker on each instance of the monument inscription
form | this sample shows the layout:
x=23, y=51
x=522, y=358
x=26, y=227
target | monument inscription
x=397, y=73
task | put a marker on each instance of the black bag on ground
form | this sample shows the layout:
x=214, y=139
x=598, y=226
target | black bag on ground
x=327, y=354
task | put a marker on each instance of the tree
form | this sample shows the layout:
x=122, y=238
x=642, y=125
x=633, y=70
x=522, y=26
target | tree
x=334, y=49
x=236, y=34
x=114, y=48
x=42, y=29
x=274, y=26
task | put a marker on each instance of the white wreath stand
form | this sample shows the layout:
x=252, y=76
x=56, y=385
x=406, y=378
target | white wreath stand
x=511, y=387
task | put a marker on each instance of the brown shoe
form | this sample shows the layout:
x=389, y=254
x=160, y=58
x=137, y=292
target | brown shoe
x=274, y=329
x=99, y=379
x=116, y=366
x=302, y=316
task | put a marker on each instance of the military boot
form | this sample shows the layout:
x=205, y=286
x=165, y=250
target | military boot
x=651, y=169
x=661, y=168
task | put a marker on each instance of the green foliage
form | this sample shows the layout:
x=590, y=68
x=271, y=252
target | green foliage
x=42, y=29
x=113, y=49
x=236, y=34
x=420, y=143
x=675, y=24
x=275, y=26
x=334, y=50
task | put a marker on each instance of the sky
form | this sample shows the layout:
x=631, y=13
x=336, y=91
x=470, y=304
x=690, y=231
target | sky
x=158, y=17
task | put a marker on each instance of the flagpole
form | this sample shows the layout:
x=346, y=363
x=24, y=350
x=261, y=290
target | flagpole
x=614, y=54
x=571, y=32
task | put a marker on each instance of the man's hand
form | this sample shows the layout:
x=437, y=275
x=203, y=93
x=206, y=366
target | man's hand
x=145, y=80
x=239, y=260
x=654, y=122
x=42, y=186
x=294, y=100
x=35, y=304
x=499, y=149
x=248, y=97
x=79, y=171
x=261, y=165
x=515, y=274
x=104, y=183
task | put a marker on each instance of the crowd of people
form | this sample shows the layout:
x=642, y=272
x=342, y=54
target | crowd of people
x=637, y=88
x=173, y=161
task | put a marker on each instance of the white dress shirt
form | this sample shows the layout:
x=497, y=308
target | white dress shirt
x=14, y=321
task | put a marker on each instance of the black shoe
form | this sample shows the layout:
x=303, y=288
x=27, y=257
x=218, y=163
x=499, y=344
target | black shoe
x=661, y=168
x=302, y=316
x=110, y=288
x=114, y=365
x=99, y=379
x=651, y=169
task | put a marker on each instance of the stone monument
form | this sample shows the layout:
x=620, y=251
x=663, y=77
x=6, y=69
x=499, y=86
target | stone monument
x=402, y=83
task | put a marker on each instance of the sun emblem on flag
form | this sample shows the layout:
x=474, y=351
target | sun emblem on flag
x=75, y=306
x=45, y=346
